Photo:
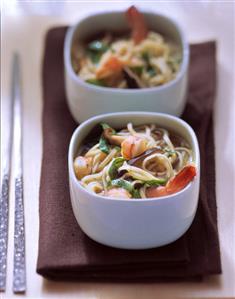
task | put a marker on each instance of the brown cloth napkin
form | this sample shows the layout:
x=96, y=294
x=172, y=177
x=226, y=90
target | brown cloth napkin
x=65, y=252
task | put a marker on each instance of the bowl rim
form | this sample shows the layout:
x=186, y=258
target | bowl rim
x=68, y=46
x=99, y=118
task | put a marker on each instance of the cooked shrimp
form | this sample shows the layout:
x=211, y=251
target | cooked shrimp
x=117, y=192
x=137, y=23
x=133, y=146
x=109, y=68
x=177, y=183
x=82, y=166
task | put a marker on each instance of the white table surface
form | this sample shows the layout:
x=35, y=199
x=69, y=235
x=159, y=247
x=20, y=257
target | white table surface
x=23, y=29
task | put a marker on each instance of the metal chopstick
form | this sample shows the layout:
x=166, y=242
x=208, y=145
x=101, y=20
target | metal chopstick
x=4, y=199
x=19, y=275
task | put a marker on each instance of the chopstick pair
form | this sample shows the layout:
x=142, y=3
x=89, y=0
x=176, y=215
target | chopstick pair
x=13, y=145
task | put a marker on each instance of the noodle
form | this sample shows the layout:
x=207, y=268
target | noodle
x=120, y=62
x=108, y=159
x=146, y=158
x=162, y=160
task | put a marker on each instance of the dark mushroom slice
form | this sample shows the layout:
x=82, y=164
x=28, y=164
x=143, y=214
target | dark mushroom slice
x=137, y=160
x=175, y=139
x=175, y=163
x=91, y=139
x=157, y=134
x=132, y=79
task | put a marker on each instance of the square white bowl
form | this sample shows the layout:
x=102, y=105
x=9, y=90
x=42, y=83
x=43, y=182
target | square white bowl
x=134, y=223
x=86, y=100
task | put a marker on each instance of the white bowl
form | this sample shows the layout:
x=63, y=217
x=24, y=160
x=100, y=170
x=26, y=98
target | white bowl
x=86, y=100
x=134, y=223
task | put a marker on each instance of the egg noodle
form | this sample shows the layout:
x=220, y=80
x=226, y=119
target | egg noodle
x=150, y=63
x=134, y=158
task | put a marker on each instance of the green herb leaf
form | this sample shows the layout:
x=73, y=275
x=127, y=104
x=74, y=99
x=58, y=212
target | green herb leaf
x=145, y=57
x=151, y=71
x=95, y=50
x=126, y=185
x=106, y=126
x=96, y=82
x=174, y=62
x=113, y=169
x=118, y=148
x=157, y=182
x=170, y=153
x=137, y=69
x=123, y=184
x=94, y=56
x=98, y=46
x=136, y=193
x=103, y=145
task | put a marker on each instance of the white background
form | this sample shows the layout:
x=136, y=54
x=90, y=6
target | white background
x=24, y=25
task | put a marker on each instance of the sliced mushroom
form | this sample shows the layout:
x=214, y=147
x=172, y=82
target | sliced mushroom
x=135, y=161
x=157, y=134
x=90, y=140
x=132, y=79
x=112, y=138
x=175, y=162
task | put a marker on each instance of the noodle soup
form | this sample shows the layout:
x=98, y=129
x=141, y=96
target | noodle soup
x=135, y=162
x=139, y=59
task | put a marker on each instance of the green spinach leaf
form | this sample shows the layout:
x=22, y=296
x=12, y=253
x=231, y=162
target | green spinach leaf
x=103, y=145
x=95, y=50
x=137, y=69
x=150, y=69
x=157, y=182
x=98, y=46
x=96, y=82
x=106, y=126
x=126, y=185
x=116, y=164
